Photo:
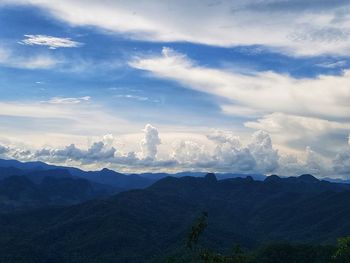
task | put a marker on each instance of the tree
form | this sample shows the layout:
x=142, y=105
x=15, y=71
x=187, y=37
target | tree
x=342, y=253
x=196, y=230
x=207, y=255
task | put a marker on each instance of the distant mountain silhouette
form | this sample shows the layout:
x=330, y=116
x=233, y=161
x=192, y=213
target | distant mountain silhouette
x=114, y=181
x=220, y=176
x=24, y=165
x=22, y=193
x=119, y=180
x=111, y=180
x=141, y=225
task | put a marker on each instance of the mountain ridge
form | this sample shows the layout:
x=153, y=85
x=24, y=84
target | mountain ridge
x=144, y=224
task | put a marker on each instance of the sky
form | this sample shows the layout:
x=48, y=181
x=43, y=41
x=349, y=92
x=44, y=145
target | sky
x=241, y=86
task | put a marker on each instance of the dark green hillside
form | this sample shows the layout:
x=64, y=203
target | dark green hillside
x=142, y=225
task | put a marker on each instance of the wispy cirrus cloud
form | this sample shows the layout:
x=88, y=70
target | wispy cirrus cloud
x=294, y=27
x=133, y=97
x=49, y=41
x=323, y=97
x=61, y=100
x=38, y=61
x=10, y=57
x=57, y=120
x=136, y=97
x=333, y=64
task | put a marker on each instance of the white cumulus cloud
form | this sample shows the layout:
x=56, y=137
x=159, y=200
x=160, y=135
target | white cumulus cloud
x=150, y=142
x=341, y=162
x=262, y=150
x=229, y=154
x=97, y=152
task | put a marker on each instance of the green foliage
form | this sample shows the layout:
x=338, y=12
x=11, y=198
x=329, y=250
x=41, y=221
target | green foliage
x=237, y=256
x=342, y=253
x=197, y=230
x=273, y=253
x=293, y=253
x=207, y=255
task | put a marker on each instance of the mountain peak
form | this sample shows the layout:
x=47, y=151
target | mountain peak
x=272, y=178
x=210, y=177
x=106, y=171
x=249, y=178
x=308, y=178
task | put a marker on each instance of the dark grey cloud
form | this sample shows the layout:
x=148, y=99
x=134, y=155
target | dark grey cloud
x=95, y=153
x=3, y=149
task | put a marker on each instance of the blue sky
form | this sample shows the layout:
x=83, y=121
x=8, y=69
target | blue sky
x=238, y=86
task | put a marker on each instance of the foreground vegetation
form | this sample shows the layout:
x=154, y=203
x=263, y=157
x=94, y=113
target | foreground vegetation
x=269, y=253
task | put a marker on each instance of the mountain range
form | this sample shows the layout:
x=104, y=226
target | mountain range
x=146, y=225
x=37, y=184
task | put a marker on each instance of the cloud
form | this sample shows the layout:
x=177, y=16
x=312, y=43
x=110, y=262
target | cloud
x=101, y=153
x=341, y=162
x=262, y=150
x=266, y=92
x=59, y=100
x=97, y=152
x=237, y=110
x=228, y=154
x=257, y=156
x=298, y=131
x=40, y=61
x=222, y=137
x=279, y=122
x=150, y=142
x=135, y=97
x=3, y=150
x=187, y=152
x=331, y=64
x=315, y=163
x=57, y=124
x=294, y=27
x=49, y=41
x=128, y=96
x=309, y=162
x=36, y=62
x=108, y=140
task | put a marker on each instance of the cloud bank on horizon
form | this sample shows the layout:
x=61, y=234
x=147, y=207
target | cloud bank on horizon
x=226, y=154
x=234, y=86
